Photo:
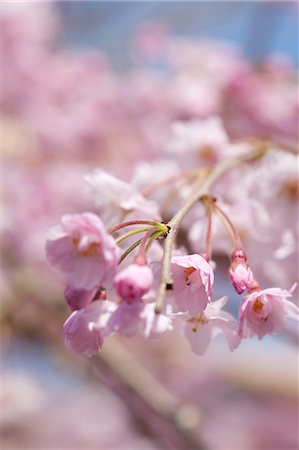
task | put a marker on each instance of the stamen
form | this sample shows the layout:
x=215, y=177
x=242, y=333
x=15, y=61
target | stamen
x=187, y=272
x=258, y=305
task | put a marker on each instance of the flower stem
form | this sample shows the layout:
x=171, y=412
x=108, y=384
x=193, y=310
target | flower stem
x=141, y=255
x=230, y=226
x=135, y=222
x=153, y=237
x=200, y=188
x=182, y=176
x=209, y=203
x=129, y=250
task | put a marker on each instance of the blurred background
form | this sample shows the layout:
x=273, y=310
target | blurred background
x=89, y=84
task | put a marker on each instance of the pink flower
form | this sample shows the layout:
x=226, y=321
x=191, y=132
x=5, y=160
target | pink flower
x=240, y=274
x=133, y=282
x=82, y=249
x=78, y=298
x=201, y=328
x=114, y=196
x=264, y=312
x=84, y=330
x=153, y=325
x=139, y=318
x=193, y=279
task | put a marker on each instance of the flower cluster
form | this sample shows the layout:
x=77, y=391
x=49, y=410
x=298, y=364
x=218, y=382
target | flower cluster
x=117, y=283
x=166, y=129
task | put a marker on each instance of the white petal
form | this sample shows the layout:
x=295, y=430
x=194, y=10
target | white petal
x=200, y=339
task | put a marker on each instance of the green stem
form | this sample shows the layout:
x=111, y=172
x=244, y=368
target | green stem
x=135, y=222
x=129, y=250
x=154, y=236
x=130, y=233
x=140, y=258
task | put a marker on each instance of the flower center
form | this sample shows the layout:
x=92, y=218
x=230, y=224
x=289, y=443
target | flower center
x=187, y=272
x=90, y=250
x=258, y=306
x=198, y=319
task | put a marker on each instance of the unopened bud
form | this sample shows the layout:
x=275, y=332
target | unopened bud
x=133, y=282
x=240, y=274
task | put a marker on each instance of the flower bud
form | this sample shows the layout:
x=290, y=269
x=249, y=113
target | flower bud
x=133, y=282
x=240, y=274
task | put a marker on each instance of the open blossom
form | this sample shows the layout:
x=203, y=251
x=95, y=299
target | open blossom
x=84, y=330
x=205, y=141
x=82, y=249
x=115, y=195
x=201, y=328
x=133, y=282
x=193, y=279
x=139, y=318
x=265, y=312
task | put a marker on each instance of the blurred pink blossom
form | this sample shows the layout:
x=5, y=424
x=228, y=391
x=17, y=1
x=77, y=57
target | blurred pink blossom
x=82, y=249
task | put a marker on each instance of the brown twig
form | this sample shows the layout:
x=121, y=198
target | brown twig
x=184, y=418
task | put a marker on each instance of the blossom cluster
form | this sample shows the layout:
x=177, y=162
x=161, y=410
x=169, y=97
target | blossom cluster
x=165, y=128
x=112, y=279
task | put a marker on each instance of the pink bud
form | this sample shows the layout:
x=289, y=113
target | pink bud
x=133, y=282
x=240, y=274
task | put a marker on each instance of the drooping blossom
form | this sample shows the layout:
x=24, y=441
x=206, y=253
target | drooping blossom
x=240, y=274
x=81, y=248
x=193, y=279
x=265, y=312
x=84, y=330
x=139, y=318
x=133, y=282
x=201, y=328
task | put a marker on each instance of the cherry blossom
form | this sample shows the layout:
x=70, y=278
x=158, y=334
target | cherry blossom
x=83, y=251
x=201, y=328
x=139, y=318
x=193, y=280
x=265, y=311
x=116, y=196
x=84, y=330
